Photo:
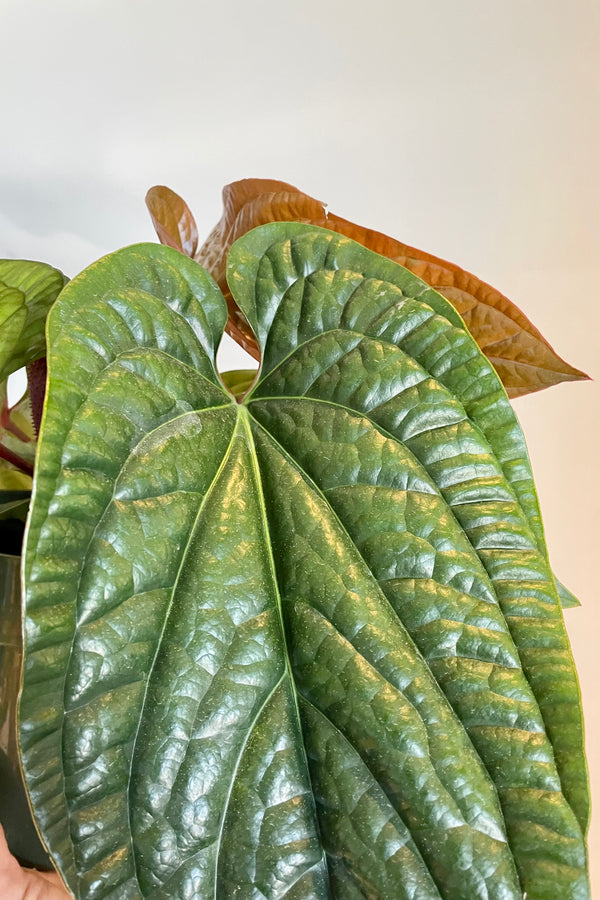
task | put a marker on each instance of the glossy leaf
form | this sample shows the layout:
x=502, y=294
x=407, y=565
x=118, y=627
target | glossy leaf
x=27, y=291
x=304, y=646
x=522, y=357
x=172, y=219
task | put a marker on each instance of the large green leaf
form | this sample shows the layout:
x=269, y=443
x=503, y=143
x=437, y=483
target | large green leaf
x=27, y=291
x=305, y=646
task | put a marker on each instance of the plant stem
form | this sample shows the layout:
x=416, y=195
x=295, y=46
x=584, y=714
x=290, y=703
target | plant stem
x=16, y=460
x=7, y=423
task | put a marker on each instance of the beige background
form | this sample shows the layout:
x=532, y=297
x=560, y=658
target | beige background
x=468, y=128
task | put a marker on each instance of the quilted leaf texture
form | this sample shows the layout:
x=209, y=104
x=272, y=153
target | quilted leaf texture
x=305, y=646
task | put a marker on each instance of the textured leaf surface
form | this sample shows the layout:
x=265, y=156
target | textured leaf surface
x=523, y=359
x=27, y=291
x=305, y=646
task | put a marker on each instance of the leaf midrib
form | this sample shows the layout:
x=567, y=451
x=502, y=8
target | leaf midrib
x=244, y=417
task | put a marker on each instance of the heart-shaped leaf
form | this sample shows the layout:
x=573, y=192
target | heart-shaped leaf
x=520, y=354
x=307, y=645
x=27, y=291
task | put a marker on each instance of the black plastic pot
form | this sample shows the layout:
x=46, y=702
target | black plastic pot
x=15, y=813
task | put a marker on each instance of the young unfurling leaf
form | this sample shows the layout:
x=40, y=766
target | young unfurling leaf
x=523, y=359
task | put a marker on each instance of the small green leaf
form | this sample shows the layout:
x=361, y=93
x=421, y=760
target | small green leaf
x=238, y=381
x=567, y=599
x=27, y=291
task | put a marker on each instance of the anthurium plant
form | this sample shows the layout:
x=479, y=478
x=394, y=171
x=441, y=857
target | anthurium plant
x=293, y=633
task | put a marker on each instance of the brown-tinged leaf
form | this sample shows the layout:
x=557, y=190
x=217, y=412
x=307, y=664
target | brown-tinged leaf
x=247, y=204
x=522, y=357
x=172, y=219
